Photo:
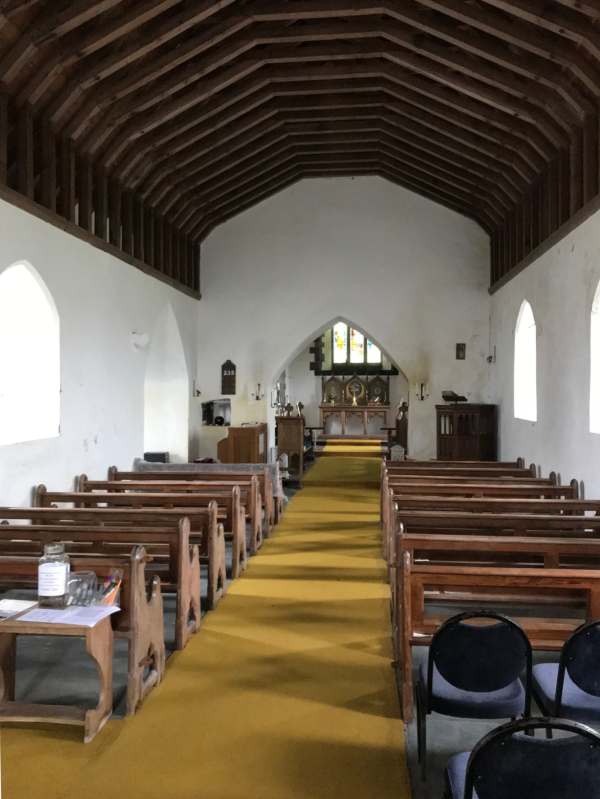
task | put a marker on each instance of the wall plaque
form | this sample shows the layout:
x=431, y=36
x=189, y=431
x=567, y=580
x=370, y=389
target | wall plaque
x=228, y=378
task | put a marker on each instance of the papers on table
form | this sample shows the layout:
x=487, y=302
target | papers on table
x=88, y=616
x=10, y=607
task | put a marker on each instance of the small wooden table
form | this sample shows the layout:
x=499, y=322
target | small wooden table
x=98, y=644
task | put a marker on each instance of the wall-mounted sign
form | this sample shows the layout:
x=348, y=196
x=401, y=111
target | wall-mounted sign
x=228, y=378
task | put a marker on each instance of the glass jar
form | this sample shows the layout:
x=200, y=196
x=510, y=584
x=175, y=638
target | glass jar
x=53, y=576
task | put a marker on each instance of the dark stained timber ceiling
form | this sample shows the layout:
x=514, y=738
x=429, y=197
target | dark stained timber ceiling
x=147, y=123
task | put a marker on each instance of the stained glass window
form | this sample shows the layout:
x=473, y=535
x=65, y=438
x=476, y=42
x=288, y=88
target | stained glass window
x=357, y=346
x=340, y=342
x=373, y=352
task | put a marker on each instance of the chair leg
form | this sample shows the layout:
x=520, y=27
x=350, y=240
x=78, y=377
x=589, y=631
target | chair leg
x=421, y=729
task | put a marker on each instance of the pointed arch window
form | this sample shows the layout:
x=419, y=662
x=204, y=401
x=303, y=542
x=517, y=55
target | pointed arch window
x=525, y=365
x=30, y=357
x=595, y=364
x=346, y=350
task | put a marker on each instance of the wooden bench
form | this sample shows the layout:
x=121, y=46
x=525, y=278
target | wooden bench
x=489, y=584
x=100, y=531
x=392, y=493
x=249, y=485
x=210, y=537
x=231, y=511
x=140, y=620
x=259, y=499
x=493, y=470
x=519, y=463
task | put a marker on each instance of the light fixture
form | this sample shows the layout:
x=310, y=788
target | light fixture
x=259, y=394
x=422, y=391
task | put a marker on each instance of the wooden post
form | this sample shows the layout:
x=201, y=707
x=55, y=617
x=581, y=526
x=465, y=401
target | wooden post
x=3, y=139
x=67, y=179
x=86, y=187
x=101, y=204
x=127, y=244
x=139, y=238
x=25, y=172
x=114, y=205
x=196, y=267
x=48, y=171
x=159, y=243
x=149, y=230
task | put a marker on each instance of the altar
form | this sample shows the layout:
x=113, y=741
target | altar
x=348, y=419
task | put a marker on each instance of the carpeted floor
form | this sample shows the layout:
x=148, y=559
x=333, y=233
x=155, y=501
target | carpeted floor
x=286, y=692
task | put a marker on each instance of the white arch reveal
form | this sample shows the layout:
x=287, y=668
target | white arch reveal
x=29, y=357
x=525, y=365
x=166, y=391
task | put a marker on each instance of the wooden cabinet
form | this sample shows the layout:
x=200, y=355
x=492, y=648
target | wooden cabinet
x=290, y=442
x=467, y=432
x=245, y=444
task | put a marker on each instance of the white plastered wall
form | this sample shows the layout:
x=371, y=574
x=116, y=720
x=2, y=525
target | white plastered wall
x=101, y=301
x=410, y=272
x=560, y=286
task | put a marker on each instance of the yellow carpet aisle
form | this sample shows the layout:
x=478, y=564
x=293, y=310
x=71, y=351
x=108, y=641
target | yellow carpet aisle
x=286, y=692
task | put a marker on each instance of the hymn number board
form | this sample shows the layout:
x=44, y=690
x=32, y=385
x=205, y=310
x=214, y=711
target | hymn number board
x=228, y=378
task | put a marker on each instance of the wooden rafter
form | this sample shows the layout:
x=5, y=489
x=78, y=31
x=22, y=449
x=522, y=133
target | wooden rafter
x=147, y=123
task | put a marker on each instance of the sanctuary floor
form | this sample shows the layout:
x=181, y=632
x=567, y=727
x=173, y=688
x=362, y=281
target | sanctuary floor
x=286, y=692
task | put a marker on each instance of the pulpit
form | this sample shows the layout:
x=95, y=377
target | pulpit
x=245, y=444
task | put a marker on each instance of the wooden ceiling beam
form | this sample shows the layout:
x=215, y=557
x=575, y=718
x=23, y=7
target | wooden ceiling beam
x=565, y=22
x=224, y=111
x=232, y=159
x=340, y=142
x=163, y=30
x=523, y=34
x=350, y=117
x=114, y=146
x=283, y=146
x=73, y=14
x=356, y=160
x=210, y=157
x=491, y=85
x=406, y=181
x=229, y=157
x=535, y=69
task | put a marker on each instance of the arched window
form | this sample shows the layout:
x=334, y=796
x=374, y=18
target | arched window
x=595, y=365
x=29, y=358
x=525, y=377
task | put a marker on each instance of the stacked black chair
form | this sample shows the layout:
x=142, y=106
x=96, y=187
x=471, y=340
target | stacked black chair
x=571, y=688
x=479, y=666
x=511, y=763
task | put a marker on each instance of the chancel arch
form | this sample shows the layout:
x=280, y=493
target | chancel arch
x=342, y=365
x=166, y=391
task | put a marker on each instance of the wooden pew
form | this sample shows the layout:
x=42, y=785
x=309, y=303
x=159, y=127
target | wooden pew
x=415, y=581
x=140, y=620
x=461, y=470
x=392, y=491
x=165, y=534
x=519, y=463
x=231, y=512
x=249, y=485
x=259, y=499
x=210, y=537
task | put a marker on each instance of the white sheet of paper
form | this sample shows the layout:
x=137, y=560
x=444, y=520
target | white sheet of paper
x=88, y=616
x=10, y=607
